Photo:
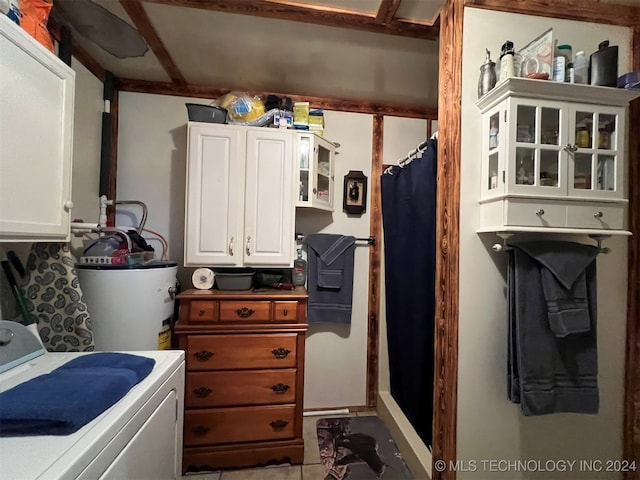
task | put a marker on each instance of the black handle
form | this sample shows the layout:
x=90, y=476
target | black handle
x=203, y=355
x=280, y=387
x=202, y=392
x=200, y=429
x=280, y=352
x=279, y=424
x=244, y=312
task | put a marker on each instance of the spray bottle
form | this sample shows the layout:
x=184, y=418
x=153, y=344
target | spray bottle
x=299, y=270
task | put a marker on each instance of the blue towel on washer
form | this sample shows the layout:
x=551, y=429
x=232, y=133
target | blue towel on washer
x=63, y=401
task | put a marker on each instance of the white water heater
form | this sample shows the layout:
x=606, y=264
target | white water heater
x=131, y=307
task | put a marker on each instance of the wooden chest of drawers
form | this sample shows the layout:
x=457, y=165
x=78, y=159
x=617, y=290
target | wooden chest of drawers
x=245, y=377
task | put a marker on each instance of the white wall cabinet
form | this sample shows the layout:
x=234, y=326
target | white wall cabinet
x=316, y=161
x=240, y=203
x=553, y=158
x=36, y=139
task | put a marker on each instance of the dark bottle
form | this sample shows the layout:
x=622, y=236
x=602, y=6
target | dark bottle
x=603, y=65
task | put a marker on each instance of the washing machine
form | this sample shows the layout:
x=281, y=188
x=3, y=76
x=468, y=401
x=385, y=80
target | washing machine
x=131, y=306
x=139, y=437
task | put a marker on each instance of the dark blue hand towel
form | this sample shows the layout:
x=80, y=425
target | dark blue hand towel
x=63, y=401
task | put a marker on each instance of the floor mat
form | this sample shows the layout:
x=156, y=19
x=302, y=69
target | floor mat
x=359, y=448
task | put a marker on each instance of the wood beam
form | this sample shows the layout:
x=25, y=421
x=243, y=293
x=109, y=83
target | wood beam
x=328, y=103
x=314, y=14
x=375, y=231
x=445, y=402
x=631, y=421
x=387, y=11
x=140, y=19
x=593, y=11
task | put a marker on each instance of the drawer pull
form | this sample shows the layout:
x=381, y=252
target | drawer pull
x=280, y=352
x=200, y=429
x=203, y=355
x=280, y=387
x=540, y=212
x=598, y=215
x=285, y=312
x=244, y=312
x=279, y=424
x=201, y=313
x=202, y=392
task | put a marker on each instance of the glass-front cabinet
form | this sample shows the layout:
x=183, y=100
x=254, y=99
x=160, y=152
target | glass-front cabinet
x=316, y=159
x=553, y=157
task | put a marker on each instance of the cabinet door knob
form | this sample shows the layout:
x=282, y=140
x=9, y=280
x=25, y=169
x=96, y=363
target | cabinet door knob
x=200, y=429
x=203, y=355
x=244, y=312
x=280, y=352
x=231, y=246
x=68, y=205
x=540, y=212
x=202, y=392
x=570, y=148
x=279, y=424
x=248, y=247
x=280, y=387
x=598, y=215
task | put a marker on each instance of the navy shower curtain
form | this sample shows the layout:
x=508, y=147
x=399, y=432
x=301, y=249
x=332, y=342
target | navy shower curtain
x=408, y=215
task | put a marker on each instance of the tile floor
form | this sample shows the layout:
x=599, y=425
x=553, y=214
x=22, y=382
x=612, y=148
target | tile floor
x=310, y=470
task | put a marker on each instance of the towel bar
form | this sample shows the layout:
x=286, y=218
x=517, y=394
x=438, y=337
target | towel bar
x=369, y=240
x=505, y=247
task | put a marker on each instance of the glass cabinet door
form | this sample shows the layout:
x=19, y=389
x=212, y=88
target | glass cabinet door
x=537, y=164
x=594, y=150
x=315, y=172
x=303, y=167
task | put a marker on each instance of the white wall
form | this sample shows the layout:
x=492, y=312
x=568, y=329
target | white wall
x=489, y=426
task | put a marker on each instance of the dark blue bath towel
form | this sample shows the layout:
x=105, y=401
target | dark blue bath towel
x=63, y=401
x=330, y=278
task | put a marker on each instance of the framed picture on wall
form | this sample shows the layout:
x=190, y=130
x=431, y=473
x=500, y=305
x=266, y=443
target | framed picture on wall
x=354, y=200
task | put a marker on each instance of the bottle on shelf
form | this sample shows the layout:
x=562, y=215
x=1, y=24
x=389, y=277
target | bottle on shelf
x=487, y=78
x=299, y=270
x=581, y=68
x=507, y=61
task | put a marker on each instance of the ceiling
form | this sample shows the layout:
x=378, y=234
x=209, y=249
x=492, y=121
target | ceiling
x=376, y=52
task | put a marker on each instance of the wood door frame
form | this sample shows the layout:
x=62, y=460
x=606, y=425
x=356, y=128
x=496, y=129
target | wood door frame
x=448, y=209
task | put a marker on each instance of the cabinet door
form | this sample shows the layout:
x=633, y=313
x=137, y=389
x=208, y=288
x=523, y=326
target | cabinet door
x=215, y=189
x=596, y=151
x=537, y=163
x=269, y=198
x=315, y=164
x=36, y=127
x=494, y=146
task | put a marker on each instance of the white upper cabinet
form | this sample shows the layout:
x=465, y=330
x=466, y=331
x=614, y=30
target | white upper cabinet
x=240, y=196
x=553, y=157
x=36, y=139
x=316, y=162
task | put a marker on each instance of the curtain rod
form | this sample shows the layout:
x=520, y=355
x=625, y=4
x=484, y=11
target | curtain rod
x=369, y=240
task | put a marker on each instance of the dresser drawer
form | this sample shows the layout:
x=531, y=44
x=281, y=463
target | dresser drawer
x=233, y=425
x=533, y=213
x=245, y=311
x=240, y=387
x=285, y=311
x=202, y=311
x=596, y=216
x=251, y=351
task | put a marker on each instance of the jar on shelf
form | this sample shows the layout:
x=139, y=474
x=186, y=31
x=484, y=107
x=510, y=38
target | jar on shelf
x=604, y=138
x=582, y=138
